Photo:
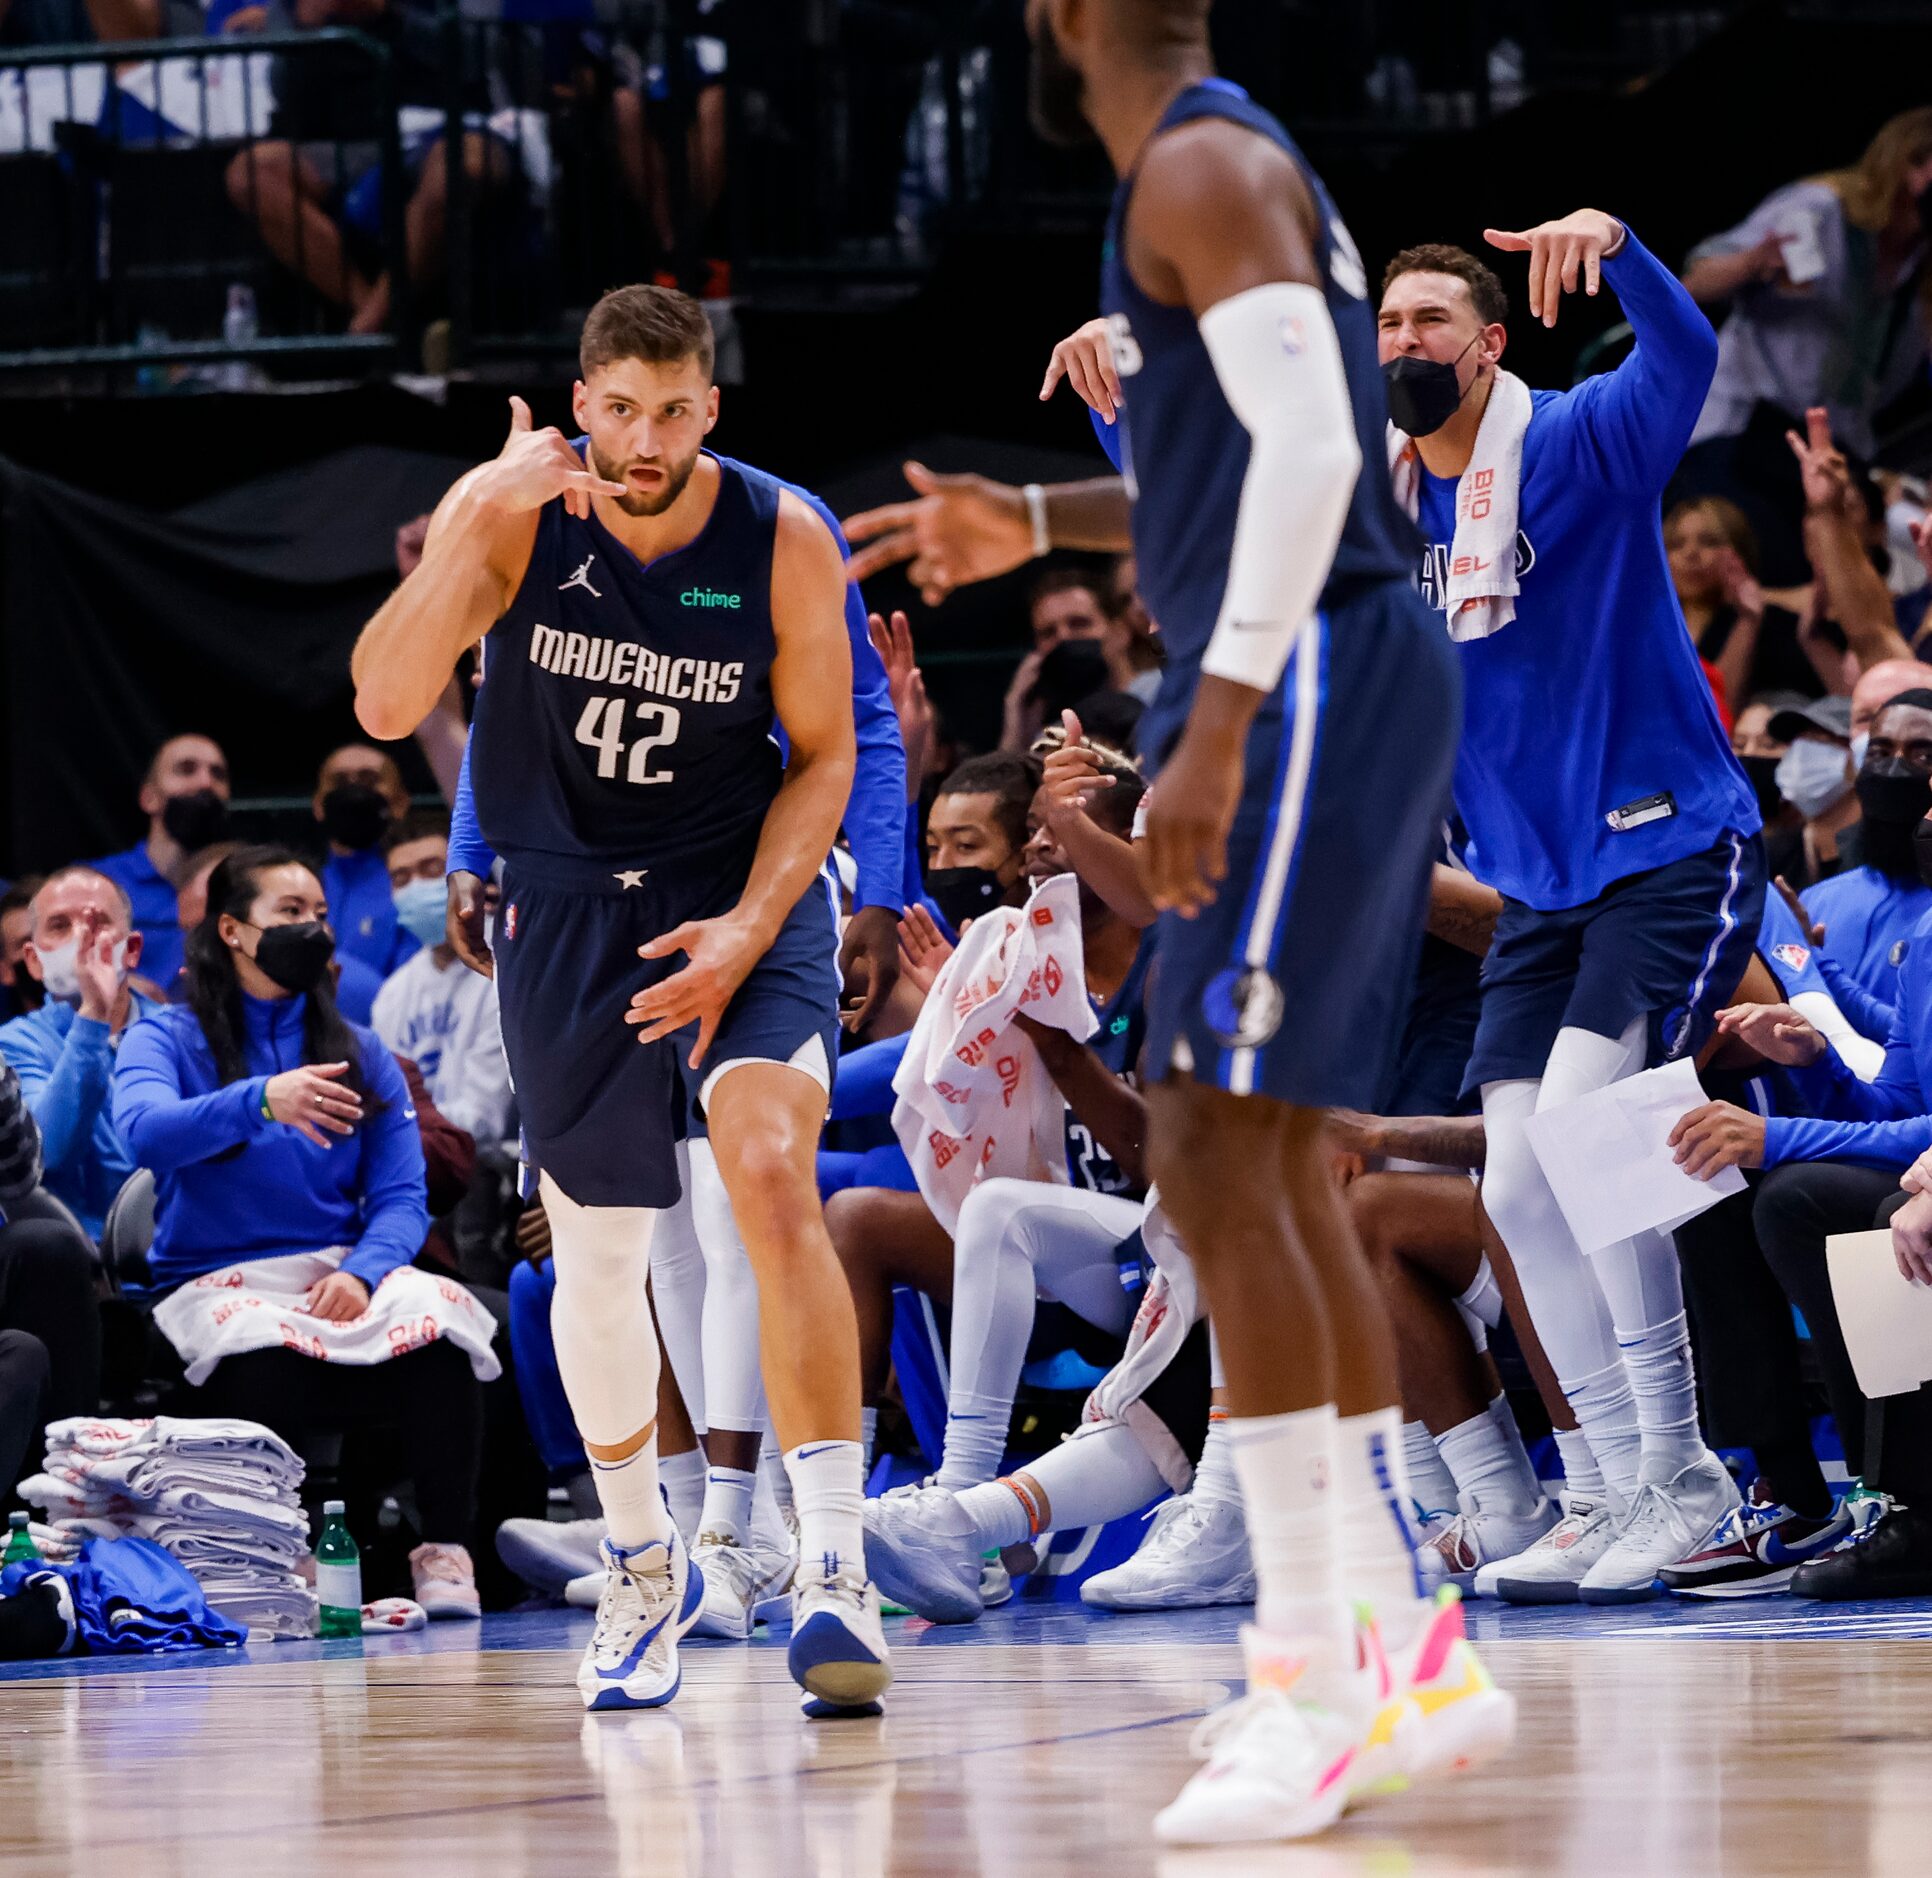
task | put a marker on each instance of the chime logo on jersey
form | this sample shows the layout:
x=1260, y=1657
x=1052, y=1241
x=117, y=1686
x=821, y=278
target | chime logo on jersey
x=1436, y=569
x=1797, y=957
x=1243, y=1007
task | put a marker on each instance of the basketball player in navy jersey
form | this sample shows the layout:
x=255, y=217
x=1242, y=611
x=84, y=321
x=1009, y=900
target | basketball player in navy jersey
x=667, y=932
x=1304, y=731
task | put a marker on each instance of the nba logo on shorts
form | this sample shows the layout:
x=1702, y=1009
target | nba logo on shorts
x=1243, y=1007
x=510, y=920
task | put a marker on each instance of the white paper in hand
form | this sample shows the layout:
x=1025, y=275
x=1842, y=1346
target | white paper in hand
x=1885, y=1318
x=1608, y=1159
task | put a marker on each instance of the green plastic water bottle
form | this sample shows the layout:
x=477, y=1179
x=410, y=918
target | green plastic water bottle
x=338, y=1575
x=20, y=1543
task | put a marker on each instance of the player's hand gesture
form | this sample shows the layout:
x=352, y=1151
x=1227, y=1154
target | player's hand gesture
x=1821, y=464
x=923, y=948
x=721, y=953
x=537, y=466
x=957, y=530
x=463, y=922
x=1070, y=778
x=1776, y=1032
x=906, y=686
x=868, y=964
x=1562, y=255
x=1085, y=359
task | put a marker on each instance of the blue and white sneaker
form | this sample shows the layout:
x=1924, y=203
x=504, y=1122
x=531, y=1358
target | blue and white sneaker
x=1755, y=1551
x=652, y=1596
x=924, y=1553
x=838, y=1650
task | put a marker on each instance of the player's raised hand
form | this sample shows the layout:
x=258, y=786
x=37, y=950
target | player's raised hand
x=923, y=948
x=1562, y=255
x=956, y=530
x=1776, y=1032
x=537, y=466
x=1085, y=359
x=1185, y=850
x=1821, y=464
x=1071, y=776
x=720, y=954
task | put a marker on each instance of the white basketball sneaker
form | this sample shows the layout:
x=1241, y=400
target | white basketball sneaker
x=738, y=1580
x=1550, y=1571
x=1459, y=1548
x=652, y=1596
x=1191, y=1555
x=1671, y=1516
x=548, y=1553
x=1279, y=1763
x=838, y=1649
x=924, y=1553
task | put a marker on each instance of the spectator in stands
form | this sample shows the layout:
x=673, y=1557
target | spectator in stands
x=1133, y=650
x=19, y=989
x=315, y=191
x=76, y=22
x=1713, y=565
x=184, y=795
x=359, y=795
x=1760, y=753
x=641, y=110
x=1828, y=290
x=50, y=1326
x=432, y=1008
x=275, y=1128
x=82, y=951
x=1078, y=649
x=1815, y=775
x=192, y=901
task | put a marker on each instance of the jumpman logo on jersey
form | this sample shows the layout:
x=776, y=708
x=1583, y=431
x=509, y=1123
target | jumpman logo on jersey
x=581, y=579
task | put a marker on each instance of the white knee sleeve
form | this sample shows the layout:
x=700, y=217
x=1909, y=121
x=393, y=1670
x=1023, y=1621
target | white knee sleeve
x=677, y=1293
x=600, y=1318
x=734, y=1387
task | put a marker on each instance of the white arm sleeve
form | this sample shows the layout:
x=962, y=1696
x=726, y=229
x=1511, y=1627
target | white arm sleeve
x=1280, y=365
x=1862, y=1056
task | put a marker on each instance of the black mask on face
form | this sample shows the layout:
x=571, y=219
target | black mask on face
x=1055, y=91
x=1423, y=393
x=195, y=820
x=1069, y=675
x=963, y=893
x=1894, y=798
x=296, y=956
x=355, y=815
x=1763, y=772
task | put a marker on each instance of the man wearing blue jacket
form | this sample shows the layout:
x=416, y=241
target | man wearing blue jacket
x=1838, y=1169
x=875, y=822
x=82, y=950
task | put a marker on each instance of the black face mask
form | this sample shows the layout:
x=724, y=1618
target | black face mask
x=1763, y=772
x=296, y=956
x=963, y=893
x=1069, y=675
x=195, y=820
x=1894, y=798
x=1423, y=393
x=1054, y=93
x=355, y=815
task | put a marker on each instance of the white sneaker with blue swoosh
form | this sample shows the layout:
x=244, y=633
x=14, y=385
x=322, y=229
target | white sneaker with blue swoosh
x=838, y=1651
x=652, y=1596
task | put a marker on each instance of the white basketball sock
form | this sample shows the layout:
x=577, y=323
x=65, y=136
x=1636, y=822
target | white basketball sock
x=1094, y=1477
x=727, y=1503
x=1607, y=1413
x=1658, y=1359
x=1481, y=1305
x=1378, y=1544
x=1491, y=1467
x=683, y=1478
x=1215, y=1483
x=828, y=1494
x=1582, y=1477
x=1288, y=1466
x=606, y=1344
x=1431, y=1485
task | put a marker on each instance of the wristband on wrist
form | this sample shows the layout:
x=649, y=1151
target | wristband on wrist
x=1036, y=513
x=268, y=1114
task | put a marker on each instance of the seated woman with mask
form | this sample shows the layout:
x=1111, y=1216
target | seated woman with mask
x=289, y=1201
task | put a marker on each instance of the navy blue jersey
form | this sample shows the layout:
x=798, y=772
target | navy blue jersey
x=627, y=718
x=1185, y=453
x=1123, y=1024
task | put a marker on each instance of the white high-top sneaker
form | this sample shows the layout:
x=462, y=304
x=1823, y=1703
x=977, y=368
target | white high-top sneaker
x=1191, y=1555
x=1455, y=1551
x=738, y=1580
x=1670, y=1517
x=652, y=1596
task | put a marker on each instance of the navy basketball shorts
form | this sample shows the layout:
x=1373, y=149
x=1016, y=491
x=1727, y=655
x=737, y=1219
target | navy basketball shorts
x=1295, y=982
x=1670, y=945
x=601, y=1112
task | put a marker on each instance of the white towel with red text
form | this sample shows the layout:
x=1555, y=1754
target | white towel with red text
x=258, y=1305
x=975, y=1101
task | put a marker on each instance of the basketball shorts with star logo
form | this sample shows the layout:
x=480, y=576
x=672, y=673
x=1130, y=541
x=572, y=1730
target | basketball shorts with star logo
x=1295, y=982
x=601, y=1112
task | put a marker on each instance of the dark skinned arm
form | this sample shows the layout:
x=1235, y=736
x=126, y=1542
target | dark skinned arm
x=1111, y=1108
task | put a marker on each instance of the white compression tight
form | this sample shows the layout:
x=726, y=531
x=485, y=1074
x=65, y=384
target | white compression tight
x=600, y=1321
x=677, y=1293
x=1016, y=1238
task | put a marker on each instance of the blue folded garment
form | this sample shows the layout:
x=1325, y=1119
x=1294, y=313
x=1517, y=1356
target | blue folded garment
x=131, y=1596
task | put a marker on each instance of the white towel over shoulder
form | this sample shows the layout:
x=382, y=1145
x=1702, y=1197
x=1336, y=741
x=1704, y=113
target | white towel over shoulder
x=975, y=1100
x=1482, y=585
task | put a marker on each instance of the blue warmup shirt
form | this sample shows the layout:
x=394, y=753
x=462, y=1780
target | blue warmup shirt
x=65, y=1063
x=1592, y=699
x=1865, y=915
x=231, y=1185
x=1793, y=959
x=1883, y=1123
x=1184, y=515
x=362, y=909
x=875, y=817
x=157, y=910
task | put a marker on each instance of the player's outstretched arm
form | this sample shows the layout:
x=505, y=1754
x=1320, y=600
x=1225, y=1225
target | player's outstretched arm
x=473, y=560
x=1223, y=223
x=811, y=688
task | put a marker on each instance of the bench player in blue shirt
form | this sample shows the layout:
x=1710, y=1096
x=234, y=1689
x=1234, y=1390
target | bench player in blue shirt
x=651, y=607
